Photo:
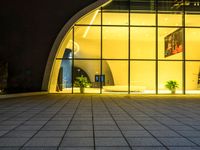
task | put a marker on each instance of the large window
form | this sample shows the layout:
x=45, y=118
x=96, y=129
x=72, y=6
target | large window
x=133, y=46
x=142, y=43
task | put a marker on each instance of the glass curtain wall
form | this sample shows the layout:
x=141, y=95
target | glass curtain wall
x=134, y=46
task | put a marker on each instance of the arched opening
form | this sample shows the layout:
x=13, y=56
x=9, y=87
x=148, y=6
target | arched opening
x=130, y=46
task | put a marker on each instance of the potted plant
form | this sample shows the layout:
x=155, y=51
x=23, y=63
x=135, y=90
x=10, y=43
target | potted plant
x=172, y=85
x=81, y=82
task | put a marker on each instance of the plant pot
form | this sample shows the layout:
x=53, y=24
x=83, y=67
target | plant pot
x=82, y=89
x=173, y=91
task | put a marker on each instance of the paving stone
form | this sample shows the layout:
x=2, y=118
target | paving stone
x=54, y=128
x=10, y=123
x=35, y=123
x=50, y=134
x=79, y=134
x=113, y=148
x=12, y=141
x=150, y=123
x=143, y=142
x=77, y=142
x=156, y=128
x=165, y=133
x=76, y=148
x=136, y=134
x=131, y=128
x=176, y=142
x=9, y=148
x=149, y=148
x=123, y=118
x=44, y=142
x=181, y=128
x=104, y=123
x=60, y=119
x=126, y=123
x=190, y=133
x=195, y=140
x=196, y=127
x=110, y=142
x=7, y=128
x=184, y=148
x=81, y=123
x=175, y=114
x=176, y=123
x=2, y=133
x=20, y=134
x=106, y=128
x=83, y=119
x=80, y=127
x=39, y=148
x=28, y=128
x=103, y=119
x=105, y=134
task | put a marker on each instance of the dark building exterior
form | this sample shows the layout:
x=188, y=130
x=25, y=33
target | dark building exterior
x=27, y=32
x=124, y=46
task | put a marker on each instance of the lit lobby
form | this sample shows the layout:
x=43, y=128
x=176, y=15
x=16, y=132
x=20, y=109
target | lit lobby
x=132, y=49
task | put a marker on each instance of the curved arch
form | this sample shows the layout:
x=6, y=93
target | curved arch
x=50, y=66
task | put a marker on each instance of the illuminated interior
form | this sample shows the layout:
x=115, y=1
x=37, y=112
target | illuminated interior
x=132, y=50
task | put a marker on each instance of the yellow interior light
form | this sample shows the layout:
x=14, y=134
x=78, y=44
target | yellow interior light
x=91, y=22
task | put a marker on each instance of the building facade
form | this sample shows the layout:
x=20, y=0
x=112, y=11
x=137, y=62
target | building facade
x=129, y=46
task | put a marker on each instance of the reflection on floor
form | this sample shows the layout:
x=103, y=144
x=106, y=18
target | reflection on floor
x=124, y=90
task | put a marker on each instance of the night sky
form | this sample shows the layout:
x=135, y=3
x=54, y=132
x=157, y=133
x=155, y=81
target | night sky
x=27, y=32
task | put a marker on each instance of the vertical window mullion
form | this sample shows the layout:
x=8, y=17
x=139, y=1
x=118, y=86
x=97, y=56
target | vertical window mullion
x=129, y=46
x=184, y=54
x=101, y=51
x=156, y=6
x=72, y=60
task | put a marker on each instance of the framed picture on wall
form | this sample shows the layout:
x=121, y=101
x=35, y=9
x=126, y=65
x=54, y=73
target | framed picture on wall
x=174, y=42
x=100, y=78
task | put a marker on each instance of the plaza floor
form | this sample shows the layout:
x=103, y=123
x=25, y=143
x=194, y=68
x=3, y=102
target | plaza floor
x=100, y=122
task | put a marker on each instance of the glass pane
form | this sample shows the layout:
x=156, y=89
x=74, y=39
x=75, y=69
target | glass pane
x=192, y=20
x=170, y=5
x=93, y=18
x=169, y=70
x=64, y=76
x=170, y=13
x=192, y=6
x=115, y=18
x=169, y=19
x=138, y=19
x=142, y=75
x=60, y=77
x=193, y=77
x=115, y=42
x=117, y=5
x=170, y=43
x=142, y=5
x=116, y=76
x=67, y=44
x=116, y=13
x=192, y=43
x=87, y=69
x=143, y=43
x=87, y=42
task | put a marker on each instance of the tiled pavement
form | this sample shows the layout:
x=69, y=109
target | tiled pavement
x=100, y=122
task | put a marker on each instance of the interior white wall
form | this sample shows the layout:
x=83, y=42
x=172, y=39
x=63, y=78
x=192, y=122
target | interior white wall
x=144, y=71
x=143, y=74
x=90, y=67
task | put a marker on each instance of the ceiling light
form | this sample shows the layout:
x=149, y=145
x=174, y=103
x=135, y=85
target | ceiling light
x=91, y=22
x=76, y=46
